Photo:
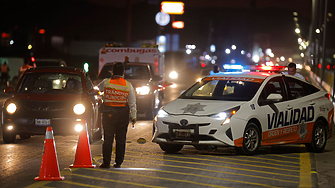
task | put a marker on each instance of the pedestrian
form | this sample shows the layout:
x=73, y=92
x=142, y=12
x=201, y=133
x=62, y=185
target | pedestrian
x=4, y=73
x=216, y=69
x=25, y=67
x=119, y=100
x=292, y=70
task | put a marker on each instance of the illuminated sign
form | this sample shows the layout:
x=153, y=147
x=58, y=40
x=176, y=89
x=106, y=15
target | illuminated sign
x=172, y=7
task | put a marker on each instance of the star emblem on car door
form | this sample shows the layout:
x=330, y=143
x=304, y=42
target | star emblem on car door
x=193, y=108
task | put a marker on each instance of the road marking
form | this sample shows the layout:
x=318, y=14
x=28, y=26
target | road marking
x=259, y=162
x=276, y=160
x=111, y=180
x=305, y=170
x=146, y=176
x=39, y=184
x=211, y=177
x=216, y=171
x=81, y=184
x=250, y=165
x=205, y=164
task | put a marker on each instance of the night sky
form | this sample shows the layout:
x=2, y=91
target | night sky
x=233, y=22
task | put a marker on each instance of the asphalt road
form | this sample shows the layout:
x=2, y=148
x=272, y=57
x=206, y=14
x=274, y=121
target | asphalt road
x=146, y=165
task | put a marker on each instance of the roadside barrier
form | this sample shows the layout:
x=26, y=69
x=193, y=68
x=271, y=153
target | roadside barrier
x=83, y=158
x=49, y=170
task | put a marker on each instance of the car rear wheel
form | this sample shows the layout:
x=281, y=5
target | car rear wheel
x=170, y=148
x=251, y=139
x=25, y=136
x=8, y=137
x=319, y=138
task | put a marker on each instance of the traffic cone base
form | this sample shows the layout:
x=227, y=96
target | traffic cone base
x=49, y=170
x=83, y=158
x=49, y=178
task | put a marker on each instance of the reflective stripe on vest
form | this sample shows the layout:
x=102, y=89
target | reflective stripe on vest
x=116, y=92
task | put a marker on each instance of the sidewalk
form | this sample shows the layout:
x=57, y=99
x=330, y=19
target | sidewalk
x=325, y=161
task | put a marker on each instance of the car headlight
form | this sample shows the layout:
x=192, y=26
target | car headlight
x=144, y=90
x=11, y=108
x=173, y=75
x=161, y=113
x=79, y=109
x=226, y=115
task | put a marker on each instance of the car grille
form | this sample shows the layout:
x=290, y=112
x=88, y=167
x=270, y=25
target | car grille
x=44, y=109
x=191, y=125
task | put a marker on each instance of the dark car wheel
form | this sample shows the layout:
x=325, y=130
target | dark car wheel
x=251, y=139
x=25, y=136
x=319, y=138
x=170, y=148
x=8, y=137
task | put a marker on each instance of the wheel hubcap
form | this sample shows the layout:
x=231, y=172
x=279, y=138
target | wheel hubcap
x=319, y=137
x=251, y=139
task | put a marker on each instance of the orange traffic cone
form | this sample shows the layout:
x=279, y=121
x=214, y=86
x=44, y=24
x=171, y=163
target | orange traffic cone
x=49, y=170
x=83, y=158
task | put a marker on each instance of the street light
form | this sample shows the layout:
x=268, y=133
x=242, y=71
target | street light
x=302, y=55
x=227, y=51
x=297, y=30
x=233, y=47
x=317, y=30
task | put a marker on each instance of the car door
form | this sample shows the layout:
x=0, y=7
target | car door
x=304, y=107
x=93, y=100
x=275, y=121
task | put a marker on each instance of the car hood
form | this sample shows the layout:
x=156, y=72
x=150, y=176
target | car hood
x=199, y=107
x=138, y=83
x=48, y=97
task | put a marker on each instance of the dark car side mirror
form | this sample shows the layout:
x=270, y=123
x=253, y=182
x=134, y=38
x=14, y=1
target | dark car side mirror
x=94, y=92
x=9, y=90
x=157, y=78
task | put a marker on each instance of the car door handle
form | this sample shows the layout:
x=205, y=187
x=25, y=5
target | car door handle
x=311, y=103
x=289, y=107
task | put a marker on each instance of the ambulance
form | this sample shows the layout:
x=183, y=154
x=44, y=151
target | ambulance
x=144, y=69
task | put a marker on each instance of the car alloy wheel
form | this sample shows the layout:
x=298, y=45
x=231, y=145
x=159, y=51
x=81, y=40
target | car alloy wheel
x=251, y=139
x=319, y=138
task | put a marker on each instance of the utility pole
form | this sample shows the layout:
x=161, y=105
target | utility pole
x=128, y=7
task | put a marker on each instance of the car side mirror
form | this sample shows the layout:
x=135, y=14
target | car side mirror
x=94, y=92
x=274, y=97
x=9, y=90
x=157, y=78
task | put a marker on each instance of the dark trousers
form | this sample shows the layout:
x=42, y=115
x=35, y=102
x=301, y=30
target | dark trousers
x=115, y=123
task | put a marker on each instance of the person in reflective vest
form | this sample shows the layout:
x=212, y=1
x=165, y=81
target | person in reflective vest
x=4, y=73
x=25, y=67
x=119, y=101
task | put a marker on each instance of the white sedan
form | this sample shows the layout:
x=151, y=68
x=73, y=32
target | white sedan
x=246, y=110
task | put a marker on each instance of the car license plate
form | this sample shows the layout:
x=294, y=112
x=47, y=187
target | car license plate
x=183, y=132
x=42, y=122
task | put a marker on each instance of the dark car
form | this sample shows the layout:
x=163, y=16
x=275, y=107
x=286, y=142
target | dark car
x=60, y=97
x=148, y=90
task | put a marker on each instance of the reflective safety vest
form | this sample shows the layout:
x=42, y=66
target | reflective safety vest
x=4, y=68
x=116, y=91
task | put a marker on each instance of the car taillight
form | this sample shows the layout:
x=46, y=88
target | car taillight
x=327, y=95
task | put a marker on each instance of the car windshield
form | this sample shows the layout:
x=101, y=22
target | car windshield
x=51, y=83
x=132, y=72
x=227, y=90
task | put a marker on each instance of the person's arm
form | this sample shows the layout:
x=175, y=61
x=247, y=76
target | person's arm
x=132, y=103
x=101, y=85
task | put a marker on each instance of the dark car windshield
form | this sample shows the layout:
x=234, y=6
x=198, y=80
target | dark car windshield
x=227, y=90
x=51, y=83
x=132, y=72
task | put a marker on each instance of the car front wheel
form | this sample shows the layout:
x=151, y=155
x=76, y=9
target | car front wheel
x=251, y=139
x=319, y=138
x=170, y=148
